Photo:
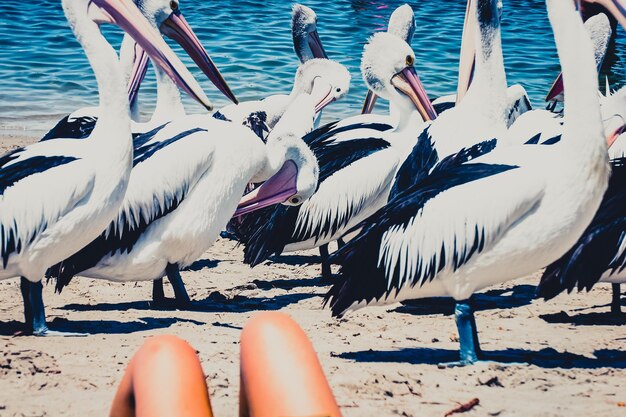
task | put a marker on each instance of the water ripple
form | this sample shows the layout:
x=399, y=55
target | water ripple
x=44, y=73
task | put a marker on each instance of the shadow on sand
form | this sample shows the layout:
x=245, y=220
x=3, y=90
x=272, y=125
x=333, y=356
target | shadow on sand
x=288, y=284
x=201, y=264
x=216, y=302
x=296, y=259
x=100, y=326
x=518, y=296
x=544, y=358
x=605, y=318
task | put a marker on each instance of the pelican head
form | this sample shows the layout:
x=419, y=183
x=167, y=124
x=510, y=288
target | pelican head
x=167, y=17
x=387, y=68
x=324, y=80
x=126, y=15
x=402, y=24
x=294, y=166
x=306, y=41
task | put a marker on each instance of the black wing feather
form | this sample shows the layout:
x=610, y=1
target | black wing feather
x=77, y=128
x=361, y=276
x=595, y=252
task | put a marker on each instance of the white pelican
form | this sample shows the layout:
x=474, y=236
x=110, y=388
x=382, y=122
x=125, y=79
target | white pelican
x=516, y=101
x=59, y=194
x=187, y=179
x=324, y=142
x=402, y=24
x=358, y=159
x=262, y=115
x=165, y=16
x=461, y=226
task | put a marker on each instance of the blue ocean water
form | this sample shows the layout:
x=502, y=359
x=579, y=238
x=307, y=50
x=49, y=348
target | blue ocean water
x=44, y=73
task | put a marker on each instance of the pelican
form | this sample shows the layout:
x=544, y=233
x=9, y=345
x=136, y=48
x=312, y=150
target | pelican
x=483, y=112
x=59, y=194
x=358, y=160
x=461, y=226
x=185, y=185
x=262, y=115
x=516, y=102
x=402, y=24
x=599, y=254
x=596, y=14
x=336, y=147
x=166, y=17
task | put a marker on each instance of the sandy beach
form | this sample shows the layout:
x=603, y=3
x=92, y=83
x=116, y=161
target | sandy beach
x=561, y=358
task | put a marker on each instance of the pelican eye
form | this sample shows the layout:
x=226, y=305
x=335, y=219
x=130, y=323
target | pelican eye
x=410, y=61
x=338, y=90
x=174, y=5
x=295, y=200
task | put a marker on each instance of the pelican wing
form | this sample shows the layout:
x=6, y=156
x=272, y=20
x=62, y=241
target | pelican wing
x=159, y=183
x=35, y=193
x=601, y=248
x=437, y=225
x=72, y=128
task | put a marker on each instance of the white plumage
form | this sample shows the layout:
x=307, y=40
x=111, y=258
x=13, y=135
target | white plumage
x=60, y=194
x=526, y=206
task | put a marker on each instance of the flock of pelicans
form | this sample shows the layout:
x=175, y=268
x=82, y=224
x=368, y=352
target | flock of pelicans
x=439, y=198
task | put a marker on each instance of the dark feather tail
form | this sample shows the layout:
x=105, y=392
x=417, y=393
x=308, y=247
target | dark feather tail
x=268, y=233
x=360, y=277
x=63, y=276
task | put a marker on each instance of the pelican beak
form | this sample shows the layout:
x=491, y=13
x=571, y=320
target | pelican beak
x=614, y=129
x=409, y=83
x=369, y=103
x=280, y=187
x=613, y=137
x=325, y=101
x=140, y=67
x=556, y=91
x=127, y=16
x=316, y=45
x=467, y=59
x=177, y=28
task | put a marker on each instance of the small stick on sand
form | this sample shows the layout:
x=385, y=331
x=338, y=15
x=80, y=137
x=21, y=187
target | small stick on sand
x=462, y=408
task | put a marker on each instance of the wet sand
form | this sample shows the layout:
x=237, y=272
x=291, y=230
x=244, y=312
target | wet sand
x=380, y=361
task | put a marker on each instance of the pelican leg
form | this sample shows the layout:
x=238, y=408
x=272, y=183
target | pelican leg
x=327, y=275
x=28, y=306
x=158, y=295
x=173, y=274
x=38, y=313
x=181, y=300
x=468, y=335
x=616, y=302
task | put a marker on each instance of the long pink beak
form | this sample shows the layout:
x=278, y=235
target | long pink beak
x=467, y=57
x=616, y=134
x=328, y=98
x=140, y=67
x=410, y=84
x=177, y=28
x=277, y=189
x=369, y=103
x=127, y=16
